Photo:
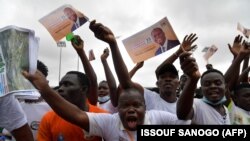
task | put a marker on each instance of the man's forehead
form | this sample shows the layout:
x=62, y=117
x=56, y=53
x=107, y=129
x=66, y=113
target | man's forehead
x=130, y=93
x=212, y=75
x=71, y=77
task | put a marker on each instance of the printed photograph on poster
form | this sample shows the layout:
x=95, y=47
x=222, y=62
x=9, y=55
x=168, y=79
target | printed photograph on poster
x=62, y=21
x=151, y=41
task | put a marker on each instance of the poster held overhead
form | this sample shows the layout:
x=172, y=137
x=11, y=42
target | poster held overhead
x=18, y=52
x=63, y=21
x=151, y=41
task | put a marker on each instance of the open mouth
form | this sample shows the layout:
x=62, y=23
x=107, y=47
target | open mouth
x=132, y=122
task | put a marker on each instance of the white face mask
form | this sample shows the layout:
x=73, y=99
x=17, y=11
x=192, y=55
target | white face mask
x=223, y=100
x=103, y=99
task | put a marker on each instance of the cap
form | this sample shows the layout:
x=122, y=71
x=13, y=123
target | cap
x=166, y=68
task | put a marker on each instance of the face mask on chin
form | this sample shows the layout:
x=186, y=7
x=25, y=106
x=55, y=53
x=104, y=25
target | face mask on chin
x=223, y=99
x=103, y=99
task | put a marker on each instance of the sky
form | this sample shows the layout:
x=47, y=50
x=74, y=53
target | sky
x=214, y=22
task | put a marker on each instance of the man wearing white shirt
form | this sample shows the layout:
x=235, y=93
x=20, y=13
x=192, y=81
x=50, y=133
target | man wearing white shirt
x=13, y=119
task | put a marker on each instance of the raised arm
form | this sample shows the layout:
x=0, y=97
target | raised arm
x=185, y=46
x=185, y=101
x=93, y=89
x=239, y=53
x=105, y=34
x=235, y=66
x=110, y=78
x=135, y=69
x=62, y=107
x=243, y=75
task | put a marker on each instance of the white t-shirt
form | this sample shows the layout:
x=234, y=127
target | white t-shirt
x=154, y=101
x=111, y=129
x=12, y=116
x=34, y=113
x=206, y=114
x=238, y=115
x=108, y=106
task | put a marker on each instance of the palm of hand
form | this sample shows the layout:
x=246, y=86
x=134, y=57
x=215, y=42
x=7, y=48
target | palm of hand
x=236, y=48
x=188, y=41
x=186, y=45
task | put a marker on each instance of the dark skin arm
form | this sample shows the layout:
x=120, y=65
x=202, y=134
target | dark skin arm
x=235, y=66
x=114, y=91
x=136, y=68
x=110, y=78
x=190, y=68
x=243, y=75
x=105, y=34
x=23, y=133
x=62, y=107
x=185, y=103
x=185, y=46
x=93, y=89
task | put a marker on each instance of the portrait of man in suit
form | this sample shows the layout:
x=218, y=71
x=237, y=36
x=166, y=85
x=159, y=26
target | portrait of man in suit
x=159, y=37
x=71, y=15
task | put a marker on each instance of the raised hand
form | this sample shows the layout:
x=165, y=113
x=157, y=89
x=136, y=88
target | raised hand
x=79, y=45
x=189, y=65
x=102, y=32
x=37, y=79
x=236, y=45
x=187, y=42
x=244, y=48
x=140, y=64
x=105, y=54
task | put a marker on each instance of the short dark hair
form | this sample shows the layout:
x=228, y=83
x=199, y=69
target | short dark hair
x=83, y=79
x=42, y=68
x=166, y=68
x=210, y=71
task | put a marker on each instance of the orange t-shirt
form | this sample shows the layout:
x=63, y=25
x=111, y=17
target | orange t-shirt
x=53, y=127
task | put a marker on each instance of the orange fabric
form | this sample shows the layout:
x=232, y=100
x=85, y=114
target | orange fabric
x=52, y=126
